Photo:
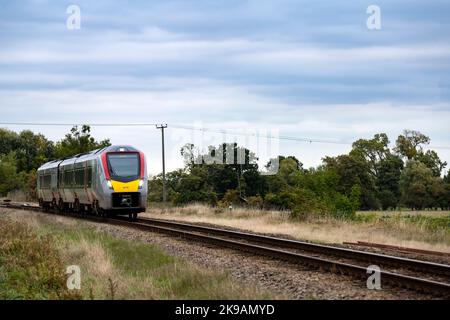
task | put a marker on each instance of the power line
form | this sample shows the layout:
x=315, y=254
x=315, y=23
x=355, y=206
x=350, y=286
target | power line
x=229, y=131
x=79, y=124
x=281, y=137
x=175, y=126
x=185, y=127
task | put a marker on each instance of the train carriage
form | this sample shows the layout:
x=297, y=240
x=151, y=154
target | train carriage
x=112, y=180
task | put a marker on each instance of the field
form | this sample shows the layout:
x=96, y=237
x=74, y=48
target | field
x=36, y=249
x=421, y=229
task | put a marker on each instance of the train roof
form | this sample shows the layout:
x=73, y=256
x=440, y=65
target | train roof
x=86, y=156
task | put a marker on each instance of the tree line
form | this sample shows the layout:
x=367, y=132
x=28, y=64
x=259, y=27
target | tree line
x=372, y=176
x=22, y=153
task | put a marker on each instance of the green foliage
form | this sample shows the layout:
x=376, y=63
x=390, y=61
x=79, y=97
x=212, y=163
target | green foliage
x=409, y=145
x=231, y=197
x=22, y=153
x=78, y=141
x=256, y=202
x=31, y=150
x=421, y=189
x=389, y=172
x=191, y=188
x=354, y=170
x=368, y=178
x=8, y=174
x=30, y=265
x=432, y=161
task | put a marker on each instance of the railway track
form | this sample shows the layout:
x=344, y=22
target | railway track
x=343, y=261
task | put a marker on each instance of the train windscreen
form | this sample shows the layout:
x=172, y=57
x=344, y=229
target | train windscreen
x=123, y=166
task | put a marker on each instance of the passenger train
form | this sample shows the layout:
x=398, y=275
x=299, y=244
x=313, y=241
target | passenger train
x=108, y=181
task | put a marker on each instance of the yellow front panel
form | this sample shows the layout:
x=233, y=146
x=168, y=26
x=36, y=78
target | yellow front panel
x=131, y=186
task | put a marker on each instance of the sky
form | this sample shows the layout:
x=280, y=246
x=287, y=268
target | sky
x=305, y=69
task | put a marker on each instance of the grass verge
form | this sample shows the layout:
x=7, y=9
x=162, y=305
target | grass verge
x=30, y=265
x=111, y=268
x=426, y=230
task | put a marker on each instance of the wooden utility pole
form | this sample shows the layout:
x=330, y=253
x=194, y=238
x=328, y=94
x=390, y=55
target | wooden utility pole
x=162, y=127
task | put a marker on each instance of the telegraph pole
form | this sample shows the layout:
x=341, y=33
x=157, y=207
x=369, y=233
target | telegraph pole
x=162, y=127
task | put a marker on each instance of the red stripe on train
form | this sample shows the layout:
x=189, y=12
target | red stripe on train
x=105, y=165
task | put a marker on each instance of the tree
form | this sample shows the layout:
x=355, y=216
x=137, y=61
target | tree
x=432, y=161
x=388, y=181
x=9, y=141
x=289, y=170
x=447, y=177
x=33, y=151
x=8, y=174
x=373, y=151
x=192, y=187
x=416, y=182
x=354, y=170
x=410, y=144
x=227, y=166
x=78, y=141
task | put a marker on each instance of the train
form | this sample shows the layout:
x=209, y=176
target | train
x=107, y=181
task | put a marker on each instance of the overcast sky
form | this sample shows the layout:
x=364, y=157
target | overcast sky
x=290, y=68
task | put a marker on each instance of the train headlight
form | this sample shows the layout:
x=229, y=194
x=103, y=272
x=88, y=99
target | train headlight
x=109, y=183
x=141, y=183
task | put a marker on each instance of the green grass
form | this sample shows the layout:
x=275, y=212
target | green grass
x=432, y=228
x=114, y=268
x=430, y=222
x=30, y=266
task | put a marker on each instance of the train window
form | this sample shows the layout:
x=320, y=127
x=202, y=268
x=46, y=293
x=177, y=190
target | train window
x=89, y=177
x=47, y=181
x=123, y=167
x=79, y=177
x=68, y=178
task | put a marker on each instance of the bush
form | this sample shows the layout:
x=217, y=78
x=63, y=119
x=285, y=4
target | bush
x=31, y=265
x=208, y=197
x=230, y=197
x=256, y=202
x=388, y=199
x=343, y=207
x=300, y=201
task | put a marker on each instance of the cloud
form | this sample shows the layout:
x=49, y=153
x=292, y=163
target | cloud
x=307, y=70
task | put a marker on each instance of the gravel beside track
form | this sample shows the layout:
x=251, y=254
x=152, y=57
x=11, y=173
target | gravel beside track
x=294, y=281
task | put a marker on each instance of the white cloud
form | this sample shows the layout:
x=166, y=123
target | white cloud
x=220, y=106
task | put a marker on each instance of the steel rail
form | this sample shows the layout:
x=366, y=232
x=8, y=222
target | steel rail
x=370, y=257
x=395, y=279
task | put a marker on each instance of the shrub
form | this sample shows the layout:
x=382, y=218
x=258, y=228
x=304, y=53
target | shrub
x=256, y=202
x=300, y=201
x=231, y=196
x=30, y=265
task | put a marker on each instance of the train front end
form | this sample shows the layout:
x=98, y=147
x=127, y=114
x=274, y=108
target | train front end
x=124, y=180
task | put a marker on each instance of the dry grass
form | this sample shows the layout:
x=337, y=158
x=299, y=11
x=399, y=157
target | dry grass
x=388, y=227
x=113, y=268
x=30, y=265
